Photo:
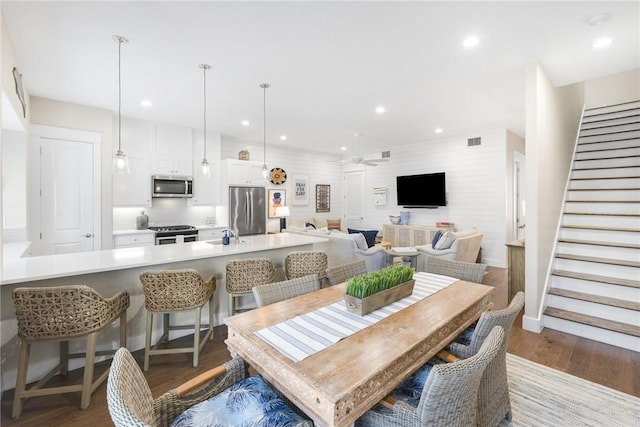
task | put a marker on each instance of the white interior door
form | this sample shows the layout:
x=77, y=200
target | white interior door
x=519, y=197
x=67, y=203
x=354, y=198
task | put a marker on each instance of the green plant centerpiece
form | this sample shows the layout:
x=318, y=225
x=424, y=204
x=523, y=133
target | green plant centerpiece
x=368, y=292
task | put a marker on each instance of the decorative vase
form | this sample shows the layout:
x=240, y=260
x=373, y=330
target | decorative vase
x=142, y=221
x=362, y=306
x=243, y=155
x=404, y=218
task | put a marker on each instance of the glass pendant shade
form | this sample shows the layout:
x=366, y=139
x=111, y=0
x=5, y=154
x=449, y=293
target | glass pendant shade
x=205, y=168
x=120, y=163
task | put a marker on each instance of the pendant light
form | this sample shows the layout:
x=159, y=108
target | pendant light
x=265, y=169
x=206, y=167
x=120, y=160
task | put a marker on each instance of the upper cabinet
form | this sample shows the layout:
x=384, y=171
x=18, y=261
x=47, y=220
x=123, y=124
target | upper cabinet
x=172, y=151
x=206, y=191
x=134, y=189
x=242, y=172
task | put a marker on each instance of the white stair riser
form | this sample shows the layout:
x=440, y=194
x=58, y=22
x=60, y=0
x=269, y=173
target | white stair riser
x=611, y=208
x=604, y=124
x=602, y=221
x=627, y=293
x=615, y=137
x=608, y=154
x=605, y=183
x=607, y=110
x=616, y=314
x=611, y=130
x=611, y=195
x=609, y=252
x=608, y=145
x=606, y=163
x=596, y=334
x=600, y=235
x=613, y=172
x=599, y=269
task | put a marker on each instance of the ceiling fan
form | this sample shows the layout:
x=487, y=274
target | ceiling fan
x=358, y=159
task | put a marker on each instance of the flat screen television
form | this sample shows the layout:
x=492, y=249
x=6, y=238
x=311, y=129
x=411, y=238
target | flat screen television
x=421, y=191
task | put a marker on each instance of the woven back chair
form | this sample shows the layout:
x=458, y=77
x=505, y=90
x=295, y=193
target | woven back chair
x=131, y=403
x=468, y=271
x=64, y=313
x=279, y=291
x=244, y=274
x=449, y=396
x=342, y=273
x=172, y=291
x=303, y=263
x=493, y=396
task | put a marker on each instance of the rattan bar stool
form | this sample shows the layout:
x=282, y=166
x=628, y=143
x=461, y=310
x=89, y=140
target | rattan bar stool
x=173, y=291
x=244, y=274
x=303, y=263
x=61, y=314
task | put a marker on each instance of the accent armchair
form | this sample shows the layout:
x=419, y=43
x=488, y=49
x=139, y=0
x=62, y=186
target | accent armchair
x=465, y=247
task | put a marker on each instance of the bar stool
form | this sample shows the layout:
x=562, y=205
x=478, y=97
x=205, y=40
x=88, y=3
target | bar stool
x=173, y=291
x=61, y=314
x=303, y=263
x=244, y=274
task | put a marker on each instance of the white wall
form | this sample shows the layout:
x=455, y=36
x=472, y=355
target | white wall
x=552, y=118
x=614, y=89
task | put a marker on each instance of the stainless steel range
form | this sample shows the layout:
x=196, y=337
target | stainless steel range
x=168, y=234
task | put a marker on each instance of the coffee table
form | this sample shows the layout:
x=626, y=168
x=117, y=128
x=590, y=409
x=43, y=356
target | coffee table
x=408, y=252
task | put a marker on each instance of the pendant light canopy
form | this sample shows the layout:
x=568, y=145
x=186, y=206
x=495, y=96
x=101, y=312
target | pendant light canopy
x=206, y=167
x=265, y=169
x=120, y=160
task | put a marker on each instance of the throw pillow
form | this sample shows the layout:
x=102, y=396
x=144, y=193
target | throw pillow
x=333, y=224
x=361, y=242
x=369, y=235
x=309, y=225
x=436, y=237
x=445, y=241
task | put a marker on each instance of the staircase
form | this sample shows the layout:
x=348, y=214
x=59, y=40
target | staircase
x=594, y=287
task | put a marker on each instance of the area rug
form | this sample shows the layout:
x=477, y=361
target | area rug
x=541, y=396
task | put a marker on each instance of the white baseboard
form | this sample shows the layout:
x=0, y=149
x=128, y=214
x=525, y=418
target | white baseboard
x=532, y=324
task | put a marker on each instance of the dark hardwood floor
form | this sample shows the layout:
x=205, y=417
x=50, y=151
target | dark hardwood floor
x=601, y=363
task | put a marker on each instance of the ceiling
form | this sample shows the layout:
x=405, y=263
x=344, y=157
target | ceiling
x=330, y=64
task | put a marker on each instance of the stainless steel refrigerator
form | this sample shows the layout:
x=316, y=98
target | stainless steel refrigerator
x=248, y=210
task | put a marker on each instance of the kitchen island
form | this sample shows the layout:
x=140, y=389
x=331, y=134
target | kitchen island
x=111, y=271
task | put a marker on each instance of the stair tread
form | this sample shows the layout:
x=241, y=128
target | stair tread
x=605, y=189
x=598, y=299
x=602, y=201
x=591, y=227
x=597, y=243
x=604, y=168
x=630, y=156
x=595, y=278
x=597, y=150
x=598, y=322
x=599, y=260
x=603, y=214
x=606, y=177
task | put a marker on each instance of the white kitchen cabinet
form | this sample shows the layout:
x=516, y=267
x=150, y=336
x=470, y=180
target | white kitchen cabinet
x=206, y=191
x=243, y=172
x=134, y=238
x=173, y=151
x=134, y=188
x=210, y=232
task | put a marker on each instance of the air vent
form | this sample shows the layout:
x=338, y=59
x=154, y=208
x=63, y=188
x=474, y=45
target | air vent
x=471, y=142
x=386, y=154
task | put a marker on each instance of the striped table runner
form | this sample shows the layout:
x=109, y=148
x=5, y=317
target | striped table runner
x=310, y=333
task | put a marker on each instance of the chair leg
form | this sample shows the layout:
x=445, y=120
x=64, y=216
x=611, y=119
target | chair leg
x=123, y=329
x=165, y=327
x=21, y=378
x=64, y=357
x=230, y=308
x=196, y=337
x=211, y=317
x=87, y=380
x=147, y=341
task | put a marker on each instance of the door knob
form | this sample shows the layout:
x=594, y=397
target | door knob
x=88, y=235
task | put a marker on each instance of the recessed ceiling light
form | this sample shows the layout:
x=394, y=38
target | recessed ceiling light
x=602, y=42
x=146, y=103
x=283, y=137
x=343, y=148
x=438, y=130
x=380, y=109
x=245, y=123
x=470, y=41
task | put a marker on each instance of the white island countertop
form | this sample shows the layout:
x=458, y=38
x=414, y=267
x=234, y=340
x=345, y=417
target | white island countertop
x=52, y=266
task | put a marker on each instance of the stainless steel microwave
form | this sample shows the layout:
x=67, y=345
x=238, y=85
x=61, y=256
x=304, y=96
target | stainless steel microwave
x=171, y=186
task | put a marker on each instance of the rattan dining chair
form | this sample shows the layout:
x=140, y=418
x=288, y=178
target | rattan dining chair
x=468, y=271
x=61, y=314
x=220, y=396
x=344, y=272
x=244, y=274
x=447, y=398
x=279, y=291
x=174, y=291
x=303, y=263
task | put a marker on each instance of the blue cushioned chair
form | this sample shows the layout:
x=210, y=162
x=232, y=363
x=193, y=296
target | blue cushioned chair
x=221, y=396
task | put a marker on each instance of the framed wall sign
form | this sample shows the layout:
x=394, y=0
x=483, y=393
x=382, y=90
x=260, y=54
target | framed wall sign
x=300, y=185
x=277, y=198
x=323, y=198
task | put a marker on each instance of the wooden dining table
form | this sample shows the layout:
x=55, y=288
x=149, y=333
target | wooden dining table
x=338, y=384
